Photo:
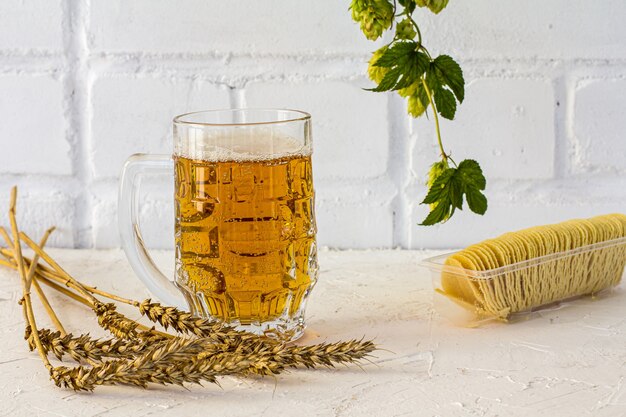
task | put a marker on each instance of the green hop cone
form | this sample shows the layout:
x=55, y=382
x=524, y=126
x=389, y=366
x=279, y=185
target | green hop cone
x=410, y=90
x=415, y=106
x=374, y=16
x=375, y=73
x=435, y=6
x=405, y=30
x=418, y=100
x=436, y=170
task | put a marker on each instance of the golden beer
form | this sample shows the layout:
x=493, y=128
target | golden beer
x=245, y=236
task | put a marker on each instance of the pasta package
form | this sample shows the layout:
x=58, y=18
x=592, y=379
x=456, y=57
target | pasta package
x=520, y=271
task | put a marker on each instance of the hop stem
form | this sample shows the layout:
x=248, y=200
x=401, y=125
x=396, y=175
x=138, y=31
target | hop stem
x=436, y=116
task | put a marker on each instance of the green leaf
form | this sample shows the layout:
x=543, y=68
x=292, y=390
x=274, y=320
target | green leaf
x=477, y=201
x=446, y=103
x=448, y=189
x=397, y=55
x=449, y=73
x=432, y=80
x=406, y=66
x=423, y=96
x=438, y=188
x=418, y=64
x=471, y=174
x=439, y=214
x=388, y=82
x=456, y=194
x=407, y=80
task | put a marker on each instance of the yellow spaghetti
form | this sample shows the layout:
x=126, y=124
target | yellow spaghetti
x=540, y=265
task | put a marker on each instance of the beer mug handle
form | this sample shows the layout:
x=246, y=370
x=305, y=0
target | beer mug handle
x=128, y=221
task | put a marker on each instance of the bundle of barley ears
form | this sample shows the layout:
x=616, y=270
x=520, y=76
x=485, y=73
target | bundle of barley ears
x=200, y=350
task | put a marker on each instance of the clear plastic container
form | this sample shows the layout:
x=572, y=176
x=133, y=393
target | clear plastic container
x=471, y=298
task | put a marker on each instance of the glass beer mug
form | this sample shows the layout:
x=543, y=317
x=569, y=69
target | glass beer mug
x=245, y=227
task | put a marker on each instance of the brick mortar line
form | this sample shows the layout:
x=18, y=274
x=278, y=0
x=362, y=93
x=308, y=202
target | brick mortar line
x=234, y=58
x=244, y=72
x=316, y=55
x=562, y=97
x=76, y=112
x=399, y=168
x=573, y=145
x=237, y=98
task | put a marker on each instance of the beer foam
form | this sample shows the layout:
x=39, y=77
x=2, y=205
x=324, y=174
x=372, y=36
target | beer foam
x=239, y=146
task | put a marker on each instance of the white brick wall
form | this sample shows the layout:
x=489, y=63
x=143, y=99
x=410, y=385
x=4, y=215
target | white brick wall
x=506, y=124
x=34, y=25
x=530, y=29
x=85, y=84
x=207, y=27
x=601, y=147
x=33, y=126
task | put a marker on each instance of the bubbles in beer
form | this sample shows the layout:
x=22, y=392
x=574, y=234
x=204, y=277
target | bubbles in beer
x=239, y=144
x=246, y=228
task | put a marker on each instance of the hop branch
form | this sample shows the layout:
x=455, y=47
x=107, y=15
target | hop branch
x=405, y=65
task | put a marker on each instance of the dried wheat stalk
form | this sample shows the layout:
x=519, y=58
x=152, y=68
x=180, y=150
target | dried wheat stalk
x=186, y=323
x=83, y=348
x=140, y=355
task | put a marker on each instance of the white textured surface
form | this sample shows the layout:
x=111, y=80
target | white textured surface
x=85, y=84
x=567, y=361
